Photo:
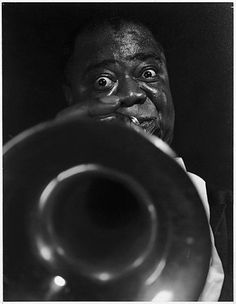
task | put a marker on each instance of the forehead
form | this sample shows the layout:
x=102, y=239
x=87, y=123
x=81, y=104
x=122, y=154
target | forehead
x=107, y=43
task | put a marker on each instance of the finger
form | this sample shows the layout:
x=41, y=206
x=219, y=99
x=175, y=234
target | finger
x=103, y=108
x=75, y=110
x=113, y=99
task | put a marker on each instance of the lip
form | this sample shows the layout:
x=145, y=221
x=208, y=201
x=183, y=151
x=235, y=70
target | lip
x=145, y=119
x=148, y=124
x=115, y=116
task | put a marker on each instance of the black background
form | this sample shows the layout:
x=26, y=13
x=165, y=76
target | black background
x=198, y=43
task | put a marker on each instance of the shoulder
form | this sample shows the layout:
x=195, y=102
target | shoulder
x=221, y=219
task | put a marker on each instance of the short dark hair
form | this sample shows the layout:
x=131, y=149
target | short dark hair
x=114, y=22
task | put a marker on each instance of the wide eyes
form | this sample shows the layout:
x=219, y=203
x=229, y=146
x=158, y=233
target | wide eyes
x=149, y=75
x=103, y=83
x=106, y=83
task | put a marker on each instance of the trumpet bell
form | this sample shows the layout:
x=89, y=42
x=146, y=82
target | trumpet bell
x=97, y=213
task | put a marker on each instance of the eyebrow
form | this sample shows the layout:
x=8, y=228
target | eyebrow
x=145, y=56
x=100, y=64
x=138, y=56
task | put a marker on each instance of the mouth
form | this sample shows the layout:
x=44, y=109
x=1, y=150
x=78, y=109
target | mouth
x=148, y=124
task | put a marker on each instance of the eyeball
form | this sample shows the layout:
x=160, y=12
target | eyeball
x=103, y=83
x=149, y=74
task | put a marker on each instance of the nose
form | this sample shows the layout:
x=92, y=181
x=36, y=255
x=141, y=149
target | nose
x=131, y=93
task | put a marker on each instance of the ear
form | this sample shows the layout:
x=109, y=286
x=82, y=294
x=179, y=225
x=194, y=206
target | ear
x=68, y=94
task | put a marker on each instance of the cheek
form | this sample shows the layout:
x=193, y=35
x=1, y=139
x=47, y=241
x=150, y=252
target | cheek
x=158, y=94
x=161, y=97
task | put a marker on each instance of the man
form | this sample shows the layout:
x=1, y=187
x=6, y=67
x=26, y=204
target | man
x=122, y=71
x=116, y=70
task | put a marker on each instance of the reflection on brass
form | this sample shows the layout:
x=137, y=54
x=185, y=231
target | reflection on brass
x=96, y=213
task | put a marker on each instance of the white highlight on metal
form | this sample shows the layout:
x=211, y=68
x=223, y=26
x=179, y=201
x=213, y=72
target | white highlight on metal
x=27, y=133
x=151, y=209
x=45, y=253
x=60, y=250
x=138, y=261
x=134, y=120
x=44, y=250
x=164, y=295
x=46, y=193
x=62, y=176
x=59, y=281
x=76, y=170
x=190, y=240
x=156, y=273
x=105, y=276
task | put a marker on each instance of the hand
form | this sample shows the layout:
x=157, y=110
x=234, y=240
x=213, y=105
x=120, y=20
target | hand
x=103, y=106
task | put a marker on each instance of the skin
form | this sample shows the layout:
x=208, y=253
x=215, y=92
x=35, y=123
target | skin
x=121, y=75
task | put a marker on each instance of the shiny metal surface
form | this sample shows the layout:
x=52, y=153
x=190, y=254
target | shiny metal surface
x=97, y=213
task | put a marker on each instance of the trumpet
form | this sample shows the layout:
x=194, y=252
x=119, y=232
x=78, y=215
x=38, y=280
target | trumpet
x=94, y=213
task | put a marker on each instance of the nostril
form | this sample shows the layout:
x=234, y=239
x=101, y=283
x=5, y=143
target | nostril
x=130, y=92
x=133, y=98
x=142, y=97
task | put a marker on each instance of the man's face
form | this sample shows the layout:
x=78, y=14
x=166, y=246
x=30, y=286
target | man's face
x=129, y=64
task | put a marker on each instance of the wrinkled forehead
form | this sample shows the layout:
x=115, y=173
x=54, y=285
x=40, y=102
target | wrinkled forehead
x=124, y=42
